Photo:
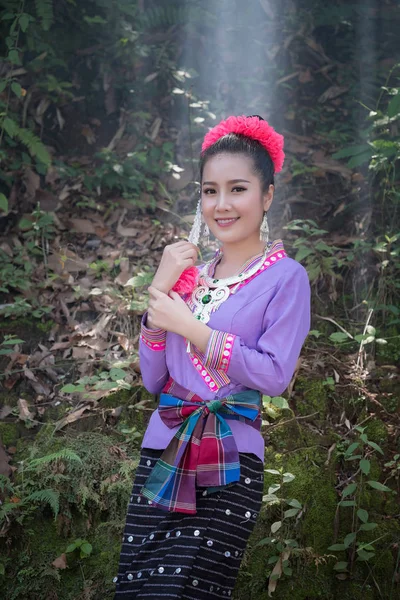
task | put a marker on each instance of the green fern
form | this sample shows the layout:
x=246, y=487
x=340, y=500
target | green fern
x=6, y=509
x=128, y=468
x=28, y=138
x=63, y=454
x=84, y=493
x=44, y=10
x=161, y=17
x=34, y=145
x=50, y=496
x=5, y=484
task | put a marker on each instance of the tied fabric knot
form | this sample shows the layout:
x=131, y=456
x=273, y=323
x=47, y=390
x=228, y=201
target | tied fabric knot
x=203, y=452
x=213, y=406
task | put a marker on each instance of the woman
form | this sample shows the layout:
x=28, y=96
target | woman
x=233, y=332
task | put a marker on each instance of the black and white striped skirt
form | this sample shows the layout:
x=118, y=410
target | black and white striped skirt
x=190, y=557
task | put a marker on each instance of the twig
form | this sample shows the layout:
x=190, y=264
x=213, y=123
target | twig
x=290, y=420
x=346, y=481
x=358, y=425
x=335, y=323
x=362, y=343
x=331, y=449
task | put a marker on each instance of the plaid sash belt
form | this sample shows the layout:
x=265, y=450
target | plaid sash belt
x=203, y=452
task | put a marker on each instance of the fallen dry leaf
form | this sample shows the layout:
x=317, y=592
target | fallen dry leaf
x=24, y=412
x=82, y=225
x=126, y=231
x=332, y=92
x=83, y=353
x=277, y=570
x=60, y=562
x=72, y=417
x=32, y=183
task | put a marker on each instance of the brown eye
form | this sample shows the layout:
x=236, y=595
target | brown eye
x=239, y=188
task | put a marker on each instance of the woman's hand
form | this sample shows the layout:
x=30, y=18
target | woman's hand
x=171, y=313
x=168, y=312
x=175, y=259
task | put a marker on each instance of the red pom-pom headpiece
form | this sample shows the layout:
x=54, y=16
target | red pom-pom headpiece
x=254, y=128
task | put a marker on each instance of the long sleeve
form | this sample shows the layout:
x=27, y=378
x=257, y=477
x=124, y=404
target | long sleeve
x=270, y=365
x=152, y=357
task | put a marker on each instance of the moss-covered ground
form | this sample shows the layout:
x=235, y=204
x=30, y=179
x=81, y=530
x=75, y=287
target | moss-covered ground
x=92, y=496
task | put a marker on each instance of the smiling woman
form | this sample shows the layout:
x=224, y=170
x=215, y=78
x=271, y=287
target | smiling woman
x=235, y=333
x=233, y=208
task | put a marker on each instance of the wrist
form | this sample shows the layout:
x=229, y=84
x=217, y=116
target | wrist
x=196, y=332
x=146, y=325
x=161, y=286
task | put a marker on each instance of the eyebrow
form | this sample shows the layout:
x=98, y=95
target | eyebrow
x=230, y=181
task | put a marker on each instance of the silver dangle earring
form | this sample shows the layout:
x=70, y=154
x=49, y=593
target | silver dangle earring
x=264, y=229
x=195, y=232
x=206, y=234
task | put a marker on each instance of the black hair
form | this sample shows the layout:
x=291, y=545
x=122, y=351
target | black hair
x=236, y=143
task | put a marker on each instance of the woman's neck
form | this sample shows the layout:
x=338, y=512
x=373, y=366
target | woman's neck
x=235, y=255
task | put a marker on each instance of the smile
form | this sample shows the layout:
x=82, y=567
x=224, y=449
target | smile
x=226, y=222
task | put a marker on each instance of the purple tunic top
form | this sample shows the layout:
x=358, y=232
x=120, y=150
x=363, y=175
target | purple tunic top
x=258, y=333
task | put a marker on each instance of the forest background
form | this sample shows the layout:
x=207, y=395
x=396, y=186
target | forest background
x=103, y=106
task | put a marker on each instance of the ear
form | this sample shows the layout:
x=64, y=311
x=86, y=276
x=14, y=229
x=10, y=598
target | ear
x=268, y=197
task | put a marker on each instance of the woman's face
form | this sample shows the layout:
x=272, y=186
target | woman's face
x=232, y=199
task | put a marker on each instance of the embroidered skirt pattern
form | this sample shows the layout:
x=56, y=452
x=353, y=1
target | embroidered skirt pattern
x=184, y=556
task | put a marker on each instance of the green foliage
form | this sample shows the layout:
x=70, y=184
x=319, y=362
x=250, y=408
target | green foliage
x=79, y=474
x=134, y=175
x=44, y=10
x=321, y=260
x=28, y=138
x=5, y=345
x=163, y=16
x=359, y=454
x=281, y=541
x=112, y=380
x=64, y=454
x=51, y=78
x=40, y=228
x=9, y=127
x=17, y=270
x=85, y=549
x=274, y=406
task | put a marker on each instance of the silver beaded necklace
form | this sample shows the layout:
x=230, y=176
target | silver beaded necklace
x=210, y=293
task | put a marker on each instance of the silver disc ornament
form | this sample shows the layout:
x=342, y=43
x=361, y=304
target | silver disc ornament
x=207, y=300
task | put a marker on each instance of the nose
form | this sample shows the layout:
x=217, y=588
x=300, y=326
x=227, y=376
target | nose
x=223, y=201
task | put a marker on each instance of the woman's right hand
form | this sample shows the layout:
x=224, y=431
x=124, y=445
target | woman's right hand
x=175, y=259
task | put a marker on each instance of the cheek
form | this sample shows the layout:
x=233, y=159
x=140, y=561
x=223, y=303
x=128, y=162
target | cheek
x=207, y=206
x=251, y=211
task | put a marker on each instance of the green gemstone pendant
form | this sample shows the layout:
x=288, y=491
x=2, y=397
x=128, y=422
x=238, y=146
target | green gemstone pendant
x=206, y=299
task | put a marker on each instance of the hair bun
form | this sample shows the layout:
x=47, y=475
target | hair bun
x=254, y=127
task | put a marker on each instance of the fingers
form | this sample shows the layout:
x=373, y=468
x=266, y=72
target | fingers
x=189, y=255
x=154, y=292
x=178, y=244
x=182, y=244
x=175, y=296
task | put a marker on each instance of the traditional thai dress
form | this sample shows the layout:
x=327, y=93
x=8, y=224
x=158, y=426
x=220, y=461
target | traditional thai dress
x=199, y=485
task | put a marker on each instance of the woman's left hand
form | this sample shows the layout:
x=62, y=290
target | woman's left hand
x=168, y=311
